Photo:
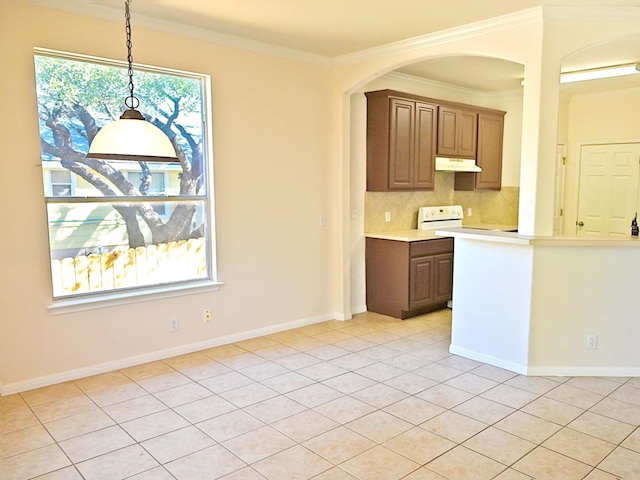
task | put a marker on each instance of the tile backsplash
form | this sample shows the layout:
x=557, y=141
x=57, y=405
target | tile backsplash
x=488, y=206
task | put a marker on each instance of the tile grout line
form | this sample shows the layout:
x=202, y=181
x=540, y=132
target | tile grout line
x=381, y=360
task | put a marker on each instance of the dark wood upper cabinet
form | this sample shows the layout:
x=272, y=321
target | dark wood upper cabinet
x=405, y=132
x=490, y=135
x=457, y=132
x=401, y=141
x=425, y=146
x=489, y=156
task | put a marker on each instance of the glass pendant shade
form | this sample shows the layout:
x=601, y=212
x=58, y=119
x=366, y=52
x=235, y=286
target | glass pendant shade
x=132, y=138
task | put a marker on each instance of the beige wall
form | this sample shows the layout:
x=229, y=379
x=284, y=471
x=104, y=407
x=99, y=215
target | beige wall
x=606, y=117
x=283, y=147
x=272, y=143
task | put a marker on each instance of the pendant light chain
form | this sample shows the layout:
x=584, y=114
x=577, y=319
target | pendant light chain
x=131, y=138
x=132, y=102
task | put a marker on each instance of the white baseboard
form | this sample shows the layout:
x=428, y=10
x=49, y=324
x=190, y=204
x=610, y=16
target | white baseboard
x=555, y=371
x=46, y=380
x=348, y=316
x=488, y=359
x=585, y=371
x=360, y=309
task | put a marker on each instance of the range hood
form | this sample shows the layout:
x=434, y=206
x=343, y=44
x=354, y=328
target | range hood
x=457, y=165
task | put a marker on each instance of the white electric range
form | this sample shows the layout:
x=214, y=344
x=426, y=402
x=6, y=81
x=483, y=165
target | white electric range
x=444, y=216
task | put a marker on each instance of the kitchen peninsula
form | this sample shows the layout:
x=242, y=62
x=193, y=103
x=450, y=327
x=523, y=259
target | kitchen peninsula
x=554, y=306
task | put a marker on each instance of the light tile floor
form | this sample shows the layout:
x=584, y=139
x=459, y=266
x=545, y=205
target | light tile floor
x=373, y=398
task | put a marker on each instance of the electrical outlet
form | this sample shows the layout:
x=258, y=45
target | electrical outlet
x=387, y=216
x=592, y=341
x=469, y=212
x=174, y=325
x=207, y=316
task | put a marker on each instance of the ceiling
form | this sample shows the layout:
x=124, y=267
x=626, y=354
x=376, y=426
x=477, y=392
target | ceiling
x=337, y=27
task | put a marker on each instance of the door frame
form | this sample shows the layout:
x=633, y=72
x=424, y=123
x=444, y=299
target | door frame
x=578, y=173
x=560, y=189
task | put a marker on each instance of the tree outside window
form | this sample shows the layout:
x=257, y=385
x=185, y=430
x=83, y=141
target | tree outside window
x=117, y=225
x=156, y=186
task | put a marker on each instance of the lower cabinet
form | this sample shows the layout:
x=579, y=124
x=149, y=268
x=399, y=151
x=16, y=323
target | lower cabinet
x=405, y=279
x=430, y=280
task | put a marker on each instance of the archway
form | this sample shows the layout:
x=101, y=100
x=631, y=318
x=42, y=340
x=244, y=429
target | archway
x=597, y=112
x=529, y=38
x=472, y=79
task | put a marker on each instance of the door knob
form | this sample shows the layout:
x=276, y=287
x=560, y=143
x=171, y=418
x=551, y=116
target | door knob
x=581, y=224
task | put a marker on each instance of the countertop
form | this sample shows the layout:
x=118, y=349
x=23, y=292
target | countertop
x=492, y=226
x=501, y=234
x=515, y=238
x=412, y=235
x=415, y=235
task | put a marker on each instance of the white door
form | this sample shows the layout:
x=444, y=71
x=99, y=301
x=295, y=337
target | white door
x=558, y=205
x=608, y=196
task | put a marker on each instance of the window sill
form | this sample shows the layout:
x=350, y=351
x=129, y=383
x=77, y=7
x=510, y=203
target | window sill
x=59, y=307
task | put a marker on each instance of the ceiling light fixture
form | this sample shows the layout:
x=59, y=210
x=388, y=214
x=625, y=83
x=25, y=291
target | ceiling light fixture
x=132, y=137
x=597, y=73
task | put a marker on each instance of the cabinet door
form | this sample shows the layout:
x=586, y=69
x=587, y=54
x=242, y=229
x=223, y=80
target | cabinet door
x=443, y=277
x=467, y=123
x=457, y=132
x=425, y=146
x=401, y=143
x=421, y=278
x=387, y=276
x=447, y=131
x=489, y=157
x=490, y=128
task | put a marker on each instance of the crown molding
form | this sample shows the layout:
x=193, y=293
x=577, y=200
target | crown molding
x=591, y=14
x=91, y=9
x=516, y=19
x=235, y=41
x=523, y=17
x=394, y=75
x=608, y=93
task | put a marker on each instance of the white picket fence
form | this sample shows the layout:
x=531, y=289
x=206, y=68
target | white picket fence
x=130, y=267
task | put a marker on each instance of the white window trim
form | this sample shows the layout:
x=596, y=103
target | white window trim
x=153, y=292
x=114, y=298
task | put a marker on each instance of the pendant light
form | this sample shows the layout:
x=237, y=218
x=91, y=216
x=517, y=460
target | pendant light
x=132, y=137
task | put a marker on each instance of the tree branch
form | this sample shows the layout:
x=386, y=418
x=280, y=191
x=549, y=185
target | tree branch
x=87, y=120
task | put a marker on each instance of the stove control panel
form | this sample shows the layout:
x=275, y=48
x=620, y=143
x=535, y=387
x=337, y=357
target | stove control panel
x=444, y=216
x=444, y=212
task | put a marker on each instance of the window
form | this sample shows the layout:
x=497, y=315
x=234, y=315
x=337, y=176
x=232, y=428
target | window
x=60, y=182
x=121, y=226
